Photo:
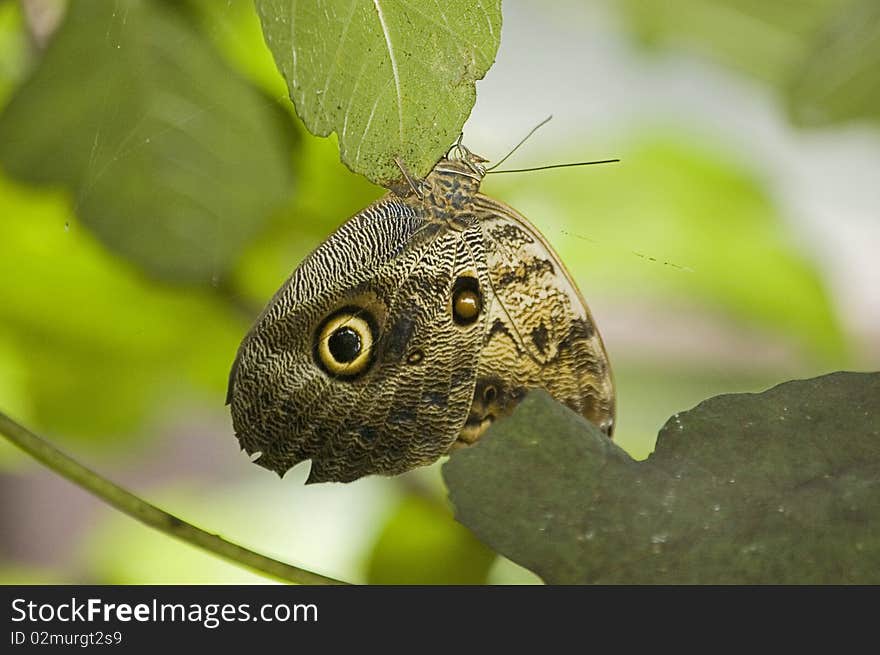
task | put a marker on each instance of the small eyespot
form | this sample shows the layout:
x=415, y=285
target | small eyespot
x=415, y=357
x=344, y=343
x=467, y=302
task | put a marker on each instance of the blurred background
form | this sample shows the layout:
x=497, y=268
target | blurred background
x=156, y=189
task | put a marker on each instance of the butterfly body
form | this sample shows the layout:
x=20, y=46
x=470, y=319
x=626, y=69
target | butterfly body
x=422, y=319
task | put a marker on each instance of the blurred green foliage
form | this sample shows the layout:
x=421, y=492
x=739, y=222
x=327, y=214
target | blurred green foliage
x=764, y=39
x=421, y=545
x=100, y=345
x=822, y=55
x=709, y=218
x=122, y=551
x=13, y=49
x=108, y=326
x=839, y=79
x=139, y=118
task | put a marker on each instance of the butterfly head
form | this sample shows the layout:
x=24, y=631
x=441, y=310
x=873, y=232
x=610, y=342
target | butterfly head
x=453, y=182
x=469, y=161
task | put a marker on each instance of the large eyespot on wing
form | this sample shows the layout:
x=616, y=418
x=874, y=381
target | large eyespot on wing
x=277, y=393
x=344, y=342
x=410, y=408
x=540, y=331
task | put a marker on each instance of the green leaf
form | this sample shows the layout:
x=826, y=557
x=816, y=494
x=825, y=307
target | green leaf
x=421, y=544
x=777, y=487
x=390, y=78
x=90, y=346
x=840, y=79
x=172, y=159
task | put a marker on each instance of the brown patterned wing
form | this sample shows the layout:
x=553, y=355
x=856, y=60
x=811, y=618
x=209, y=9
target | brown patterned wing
x=539, y=330
x=386, y=272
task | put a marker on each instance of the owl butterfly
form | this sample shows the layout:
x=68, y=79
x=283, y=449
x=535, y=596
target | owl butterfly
x=422, y=319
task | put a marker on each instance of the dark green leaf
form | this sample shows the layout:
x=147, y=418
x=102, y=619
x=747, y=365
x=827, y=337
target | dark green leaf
x=777, y=487
x=390, y=78
x=172, y=159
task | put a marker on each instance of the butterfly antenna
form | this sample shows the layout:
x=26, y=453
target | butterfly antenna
x=409, y=178
x=524, y=139
x=544, y=168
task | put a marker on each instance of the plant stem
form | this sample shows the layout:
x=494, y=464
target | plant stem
x=149, y=514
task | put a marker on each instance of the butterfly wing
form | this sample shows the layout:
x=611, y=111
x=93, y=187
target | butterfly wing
x=539, y=330
x=387, y=265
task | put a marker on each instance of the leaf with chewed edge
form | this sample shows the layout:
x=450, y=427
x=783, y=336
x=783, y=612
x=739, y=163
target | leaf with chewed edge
x=777, y=487
x=390, y=78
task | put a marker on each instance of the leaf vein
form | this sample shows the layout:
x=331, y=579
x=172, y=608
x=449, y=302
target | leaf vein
x=394, y=70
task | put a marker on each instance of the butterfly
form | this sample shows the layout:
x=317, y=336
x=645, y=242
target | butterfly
x=424, y=318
